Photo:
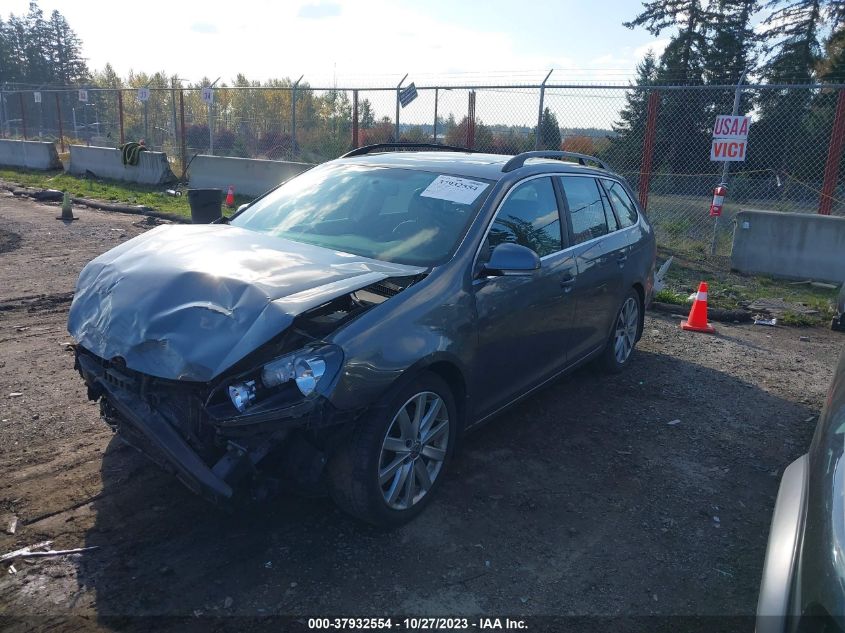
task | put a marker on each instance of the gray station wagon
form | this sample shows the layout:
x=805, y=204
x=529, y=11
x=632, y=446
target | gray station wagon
x=342, y=331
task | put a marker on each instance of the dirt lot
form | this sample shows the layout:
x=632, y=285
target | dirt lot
x=586, y=500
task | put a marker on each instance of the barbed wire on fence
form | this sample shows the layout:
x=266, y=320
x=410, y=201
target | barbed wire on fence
x=788, y=166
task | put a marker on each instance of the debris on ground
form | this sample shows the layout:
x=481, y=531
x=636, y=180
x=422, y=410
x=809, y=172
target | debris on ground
x=38, y=550
x=779, y=306
x=759, y=320
x=10, y=521
x=660, y=275
x=673, y=422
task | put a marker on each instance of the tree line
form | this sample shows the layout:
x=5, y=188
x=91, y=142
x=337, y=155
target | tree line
x=713, y=42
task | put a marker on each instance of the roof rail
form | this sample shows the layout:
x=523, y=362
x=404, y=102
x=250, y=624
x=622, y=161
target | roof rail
x=367, y=149
x=519, y=160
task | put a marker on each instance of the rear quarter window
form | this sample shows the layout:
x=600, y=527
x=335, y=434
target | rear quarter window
x=625, y=208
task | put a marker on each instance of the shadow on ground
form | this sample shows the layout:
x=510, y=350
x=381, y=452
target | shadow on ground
x=583, y=500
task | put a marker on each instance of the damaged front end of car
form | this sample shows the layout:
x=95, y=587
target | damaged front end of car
x=151, y=358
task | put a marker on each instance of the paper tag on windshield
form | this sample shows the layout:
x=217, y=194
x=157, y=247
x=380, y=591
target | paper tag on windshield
x=454, y=189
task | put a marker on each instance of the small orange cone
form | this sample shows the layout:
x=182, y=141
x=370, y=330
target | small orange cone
x=697, y=320
x=230, y=197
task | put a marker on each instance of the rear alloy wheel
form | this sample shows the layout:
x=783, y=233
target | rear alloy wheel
x=396, y=457
x=626, y=329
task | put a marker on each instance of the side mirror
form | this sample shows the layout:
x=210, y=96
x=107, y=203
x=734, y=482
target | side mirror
x=511, y=259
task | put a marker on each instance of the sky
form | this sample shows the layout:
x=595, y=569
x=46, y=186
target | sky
x=356, y=42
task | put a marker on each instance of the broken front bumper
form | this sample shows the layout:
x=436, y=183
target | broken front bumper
x=211, y=464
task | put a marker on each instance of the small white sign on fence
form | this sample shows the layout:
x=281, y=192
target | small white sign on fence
x=208, y=95
x=37, y=97
x=83, y=96
x=730, y=138
x=143, y=94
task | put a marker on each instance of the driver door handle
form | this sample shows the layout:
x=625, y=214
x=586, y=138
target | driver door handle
x=567, y=281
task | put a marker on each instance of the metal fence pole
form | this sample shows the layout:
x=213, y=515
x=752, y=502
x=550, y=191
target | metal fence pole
x=147, y=125
x=471, y=120
x=540, y=110
x=834, y=156
x=210, y=132
x=59, y=119
x=23, y=115
x=726, y=165
x=434, y=130
x=354, y=119
x=2, y=115
x=182, y=136
x=398, y=90
x=648, y=148
x=173, y=108
x=294, y=144
x=120, y=115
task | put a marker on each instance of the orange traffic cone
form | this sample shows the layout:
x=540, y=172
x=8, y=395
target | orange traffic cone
x=230, y=197
x=697, y=320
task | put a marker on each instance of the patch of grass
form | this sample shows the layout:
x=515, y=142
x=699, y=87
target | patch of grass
x=670, y=296
x=732, y=291
x=798, y=320
x=108, y=190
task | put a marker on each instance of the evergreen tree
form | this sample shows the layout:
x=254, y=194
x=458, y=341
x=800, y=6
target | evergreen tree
x=625, y=148
x=688, y=46
x=65, y=52
x=549, y=131
x=732, y=46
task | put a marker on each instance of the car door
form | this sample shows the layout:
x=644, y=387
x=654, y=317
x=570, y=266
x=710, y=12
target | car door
x=598, y=282
x=523, y=321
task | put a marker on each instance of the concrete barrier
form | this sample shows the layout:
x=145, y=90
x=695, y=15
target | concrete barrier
x=790, y=245
x=106, y=162
x=248, y=176
x=29, y=154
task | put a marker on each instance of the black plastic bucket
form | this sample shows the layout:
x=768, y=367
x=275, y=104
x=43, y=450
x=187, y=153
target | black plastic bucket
x=206, y=205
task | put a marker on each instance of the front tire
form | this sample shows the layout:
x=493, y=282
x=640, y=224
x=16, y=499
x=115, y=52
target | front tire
x=623, y=337
x=395, y=460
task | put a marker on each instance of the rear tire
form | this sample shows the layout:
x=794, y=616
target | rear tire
x=626, y=331
x=396, y=457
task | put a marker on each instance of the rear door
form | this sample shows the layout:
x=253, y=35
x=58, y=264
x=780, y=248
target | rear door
x=598, y=257
x=523, y=321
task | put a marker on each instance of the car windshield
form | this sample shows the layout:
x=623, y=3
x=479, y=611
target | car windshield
x=403, y=216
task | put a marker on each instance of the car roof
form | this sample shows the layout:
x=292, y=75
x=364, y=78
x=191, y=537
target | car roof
x=469, y=164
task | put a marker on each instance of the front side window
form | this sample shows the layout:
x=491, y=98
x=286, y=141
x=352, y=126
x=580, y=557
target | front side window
x=397, y=215
x=529, y=216
x=585, y=208
x=622, y=203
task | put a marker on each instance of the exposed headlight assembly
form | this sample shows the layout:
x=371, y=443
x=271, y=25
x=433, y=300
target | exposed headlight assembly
x=307, y=368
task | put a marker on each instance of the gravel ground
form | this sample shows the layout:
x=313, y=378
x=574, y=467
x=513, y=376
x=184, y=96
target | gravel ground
x=645, y=496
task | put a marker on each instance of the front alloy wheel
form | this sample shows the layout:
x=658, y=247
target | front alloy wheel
x=388, y=470
x=413, y=450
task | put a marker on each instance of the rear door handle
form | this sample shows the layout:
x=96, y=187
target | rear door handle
x=621, y=260
x=567, y=282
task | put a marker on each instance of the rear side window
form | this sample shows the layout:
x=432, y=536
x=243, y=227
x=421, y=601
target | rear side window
x=585, y=208
x=529, y=217
x=625, y=208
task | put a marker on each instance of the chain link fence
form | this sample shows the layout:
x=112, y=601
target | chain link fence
x=658, y=138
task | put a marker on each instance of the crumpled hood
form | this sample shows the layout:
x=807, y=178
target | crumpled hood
x=187, y=302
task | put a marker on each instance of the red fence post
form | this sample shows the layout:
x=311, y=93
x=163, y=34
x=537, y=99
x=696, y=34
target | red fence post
x=59, y=119
x=648, y=148
x=834, y=156
x=23, y=115
x=354, y=119
x=120, y=114
x=471, y=121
